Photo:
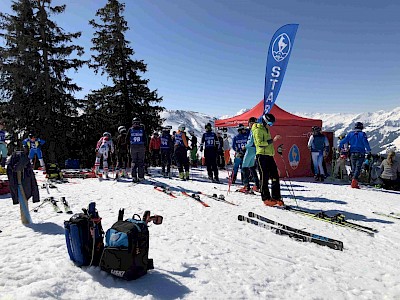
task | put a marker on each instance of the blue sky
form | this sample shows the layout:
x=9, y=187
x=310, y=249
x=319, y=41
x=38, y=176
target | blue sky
x=210, y=56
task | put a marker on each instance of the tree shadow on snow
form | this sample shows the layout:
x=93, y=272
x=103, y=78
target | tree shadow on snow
x=158, y=285
x=47, y=228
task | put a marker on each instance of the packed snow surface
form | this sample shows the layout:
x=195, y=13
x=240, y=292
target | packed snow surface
x=205, y=252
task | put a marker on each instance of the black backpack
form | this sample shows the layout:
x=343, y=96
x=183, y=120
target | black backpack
x=126, y=251
x=53, y=171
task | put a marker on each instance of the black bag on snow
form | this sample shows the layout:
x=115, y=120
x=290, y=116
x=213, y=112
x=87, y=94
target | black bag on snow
x=53, y=171
x=126, y=249
x=84, y=237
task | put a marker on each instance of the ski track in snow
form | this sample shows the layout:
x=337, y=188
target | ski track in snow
x=205, y=252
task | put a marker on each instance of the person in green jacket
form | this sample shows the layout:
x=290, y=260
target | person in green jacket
x=265, y=158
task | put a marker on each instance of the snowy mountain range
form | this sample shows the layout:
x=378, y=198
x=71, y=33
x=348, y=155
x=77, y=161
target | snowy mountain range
x=382, y=127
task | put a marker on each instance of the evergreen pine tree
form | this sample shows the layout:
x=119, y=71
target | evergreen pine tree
x=128, y=94
x=33, y=74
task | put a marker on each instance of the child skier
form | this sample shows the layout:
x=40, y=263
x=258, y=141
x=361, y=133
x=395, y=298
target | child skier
x=122, y=149
x=180, y=149
x=104, y=145
x=137, y=139
x=166, y=149
x=193, y=149
x=154, y=149
x=209, y=140
x=238, y=144
x=33, y=146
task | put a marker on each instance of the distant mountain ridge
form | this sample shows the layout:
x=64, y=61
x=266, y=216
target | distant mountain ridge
x=382, y=127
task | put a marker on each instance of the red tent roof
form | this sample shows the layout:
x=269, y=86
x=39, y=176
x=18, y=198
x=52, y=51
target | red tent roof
x=283, y=118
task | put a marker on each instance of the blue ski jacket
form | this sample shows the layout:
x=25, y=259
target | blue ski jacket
x=358, y=142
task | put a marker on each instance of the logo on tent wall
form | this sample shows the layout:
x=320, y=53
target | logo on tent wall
x=281, y=47
x=294, y=157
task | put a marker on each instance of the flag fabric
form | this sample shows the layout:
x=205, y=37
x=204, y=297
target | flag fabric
x=280, y=47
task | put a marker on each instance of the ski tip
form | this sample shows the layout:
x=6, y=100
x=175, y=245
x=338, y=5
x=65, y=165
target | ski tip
x=251, y=214
x=240, y=217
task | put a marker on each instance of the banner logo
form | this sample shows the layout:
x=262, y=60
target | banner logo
x=281, y=47
x=279, y=52
x=294, y=157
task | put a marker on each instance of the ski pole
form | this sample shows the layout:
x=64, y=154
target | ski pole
x=291, y=191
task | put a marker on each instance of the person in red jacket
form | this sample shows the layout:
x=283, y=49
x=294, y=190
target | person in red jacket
x=154, y=149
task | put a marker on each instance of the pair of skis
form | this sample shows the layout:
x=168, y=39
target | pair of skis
x=293, y=233
x=55, y=206
x=164, y=190
x=338, y=219
x=392, y=215
x=220, y=198
x=195, y=197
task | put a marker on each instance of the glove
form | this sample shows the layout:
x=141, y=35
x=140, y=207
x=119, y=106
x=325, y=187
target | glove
x=96, y=150
x=369, y=155
x=201, y=148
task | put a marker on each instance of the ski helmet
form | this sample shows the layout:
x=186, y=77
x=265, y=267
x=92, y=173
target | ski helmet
x=316, y=129
x=359, y=125
x=181, y=127
x=240, y=127
x=107, y=134
x=31, y=135
x=191, y=132
x=136, y=122
x=268, y=119
x=121, y=129
x=208, y=126
x=253, y=120
x=155, y=133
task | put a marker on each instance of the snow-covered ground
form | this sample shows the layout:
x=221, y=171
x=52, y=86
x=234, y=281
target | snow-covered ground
x=205, y=252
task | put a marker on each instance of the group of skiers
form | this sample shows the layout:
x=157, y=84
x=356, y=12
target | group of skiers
x=353, y=147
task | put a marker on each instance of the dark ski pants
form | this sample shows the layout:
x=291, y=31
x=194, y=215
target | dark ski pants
x=356, y=160
x=138, y=155
x=182, y=160
x=122, y=160
x=246, y=176
x=165, y=160
x=268, y=170
x=155, y=157
x=210, y=155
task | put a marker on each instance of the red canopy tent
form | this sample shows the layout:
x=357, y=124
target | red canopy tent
x=295, y=132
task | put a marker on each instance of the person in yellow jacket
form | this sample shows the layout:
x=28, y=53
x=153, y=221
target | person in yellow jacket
x=265, y=158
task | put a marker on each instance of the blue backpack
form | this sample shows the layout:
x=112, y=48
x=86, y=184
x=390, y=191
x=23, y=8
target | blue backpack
x=84, y=237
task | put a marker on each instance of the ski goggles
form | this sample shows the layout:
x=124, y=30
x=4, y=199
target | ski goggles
x=270, y=123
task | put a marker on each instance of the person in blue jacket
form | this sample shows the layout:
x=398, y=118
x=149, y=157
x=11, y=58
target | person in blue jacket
x=238, y=145
x=209, y=140
x=249, y=162
x=33, y=146
x=137, y=139
x=359, y=146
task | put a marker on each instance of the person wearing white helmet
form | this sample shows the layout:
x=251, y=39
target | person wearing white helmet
x=103, y=147
x=180, y=150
